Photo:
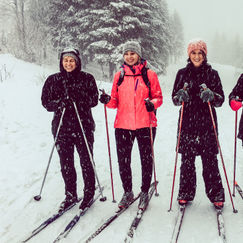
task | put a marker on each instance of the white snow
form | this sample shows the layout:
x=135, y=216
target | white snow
x=25, y=146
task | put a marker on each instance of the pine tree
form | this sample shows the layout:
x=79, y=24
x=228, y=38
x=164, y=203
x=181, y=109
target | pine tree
x=177, y=37
x=38, y=33
x=100, y=28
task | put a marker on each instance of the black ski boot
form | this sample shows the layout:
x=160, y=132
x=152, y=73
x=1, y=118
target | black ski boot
x=126, y=199
x=143, y=202
x=87, y=200
x=68, y=201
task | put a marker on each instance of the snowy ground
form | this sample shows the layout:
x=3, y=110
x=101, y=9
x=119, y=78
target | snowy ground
x=25, y=145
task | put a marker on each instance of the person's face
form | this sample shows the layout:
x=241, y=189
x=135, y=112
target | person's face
x=197, y=57
x=131, y=57
x=69, y=63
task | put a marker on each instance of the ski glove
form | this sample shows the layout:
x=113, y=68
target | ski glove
x=104, y=98
x=235, y=105
x=207, y=95
x=182, y=95
x=149, y=105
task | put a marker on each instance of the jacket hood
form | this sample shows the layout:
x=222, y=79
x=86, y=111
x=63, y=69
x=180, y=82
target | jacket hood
x=74, y=52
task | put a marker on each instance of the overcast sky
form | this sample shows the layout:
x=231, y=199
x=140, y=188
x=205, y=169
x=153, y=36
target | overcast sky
x=202, y=18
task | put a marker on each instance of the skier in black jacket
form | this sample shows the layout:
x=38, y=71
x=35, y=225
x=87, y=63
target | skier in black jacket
x=61, y=90
x=235, y=100
x=197, y=133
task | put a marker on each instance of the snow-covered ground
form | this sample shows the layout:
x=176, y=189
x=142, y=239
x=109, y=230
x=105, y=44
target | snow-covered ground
x=26, y=142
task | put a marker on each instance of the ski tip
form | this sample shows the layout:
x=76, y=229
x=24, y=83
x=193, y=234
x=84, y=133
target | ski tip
x=236, y=183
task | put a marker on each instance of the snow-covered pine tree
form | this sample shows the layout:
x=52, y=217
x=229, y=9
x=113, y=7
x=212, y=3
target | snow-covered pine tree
x=38, y=32
x=177, y=40
x=61, y=22
x=100, y=28
x=156, y=35
x=122, y=20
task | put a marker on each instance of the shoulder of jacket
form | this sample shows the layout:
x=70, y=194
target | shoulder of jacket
x=119, y=73
x=86, y=75
x=182, y=70
x=241, y=77
x=214, y=70
x=151, y=74
x=120, y=70
x=54, y=76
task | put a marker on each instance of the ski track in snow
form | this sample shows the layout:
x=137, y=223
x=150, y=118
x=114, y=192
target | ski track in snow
x=25, y=145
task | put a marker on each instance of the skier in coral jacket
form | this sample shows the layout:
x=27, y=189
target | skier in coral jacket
x=197, y=132
x=134, y=118
x=235, y=101
x=60, y=91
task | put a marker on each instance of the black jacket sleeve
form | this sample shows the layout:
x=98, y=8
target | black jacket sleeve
x=237, y=90
x=179, y=84
x=217, y=89
x=49, y=100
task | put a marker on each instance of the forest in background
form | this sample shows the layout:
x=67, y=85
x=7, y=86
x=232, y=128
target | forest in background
x=36, y=31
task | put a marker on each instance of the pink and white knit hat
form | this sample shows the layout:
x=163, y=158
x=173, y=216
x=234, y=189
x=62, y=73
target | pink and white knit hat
x=197, y=44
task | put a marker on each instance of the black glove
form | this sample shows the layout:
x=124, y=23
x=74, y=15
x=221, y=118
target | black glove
x=149, y=105
x=182, y=95
x=207, y=95
x=65, y=102
x=104, y=98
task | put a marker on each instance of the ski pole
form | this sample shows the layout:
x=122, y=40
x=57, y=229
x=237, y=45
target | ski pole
x=108, y=145
x=236, y=113
x=221, y=155
x=152, y=149
x=177, y=149
x=38, y=197
x=90, y=155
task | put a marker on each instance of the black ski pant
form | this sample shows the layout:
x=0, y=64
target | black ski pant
x=124, y=143
x=65, y=147
x=210, y=171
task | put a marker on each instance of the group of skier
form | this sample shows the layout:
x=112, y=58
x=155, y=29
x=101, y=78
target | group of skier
x=136, y=94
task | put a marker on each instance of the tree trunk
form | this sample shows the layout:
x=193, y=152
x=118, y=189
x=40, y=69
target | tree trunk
x=112, y=67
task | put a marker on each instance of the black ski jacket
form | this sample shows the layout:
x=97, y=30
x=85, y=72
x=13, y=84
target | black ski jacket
x=238, y=91
x=77, y=84
x=197, y=133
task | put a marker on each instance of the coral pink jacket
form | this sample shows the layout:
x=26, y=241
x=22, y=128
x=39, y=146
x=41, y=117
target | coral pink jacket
x=129, y=98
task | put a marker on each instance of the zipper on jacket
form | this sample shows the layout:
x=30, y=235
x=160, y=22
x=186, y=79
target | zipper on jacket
x=135, y=94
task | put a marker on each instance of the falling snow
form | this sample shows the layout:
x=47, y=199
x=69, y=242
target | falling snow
x=26, y=141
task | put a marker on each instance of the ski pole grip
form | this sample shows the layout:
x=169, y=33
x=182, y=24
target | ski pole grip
x=204, y=86
x=237, y=98
x=102, y=91
x=185, y=86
